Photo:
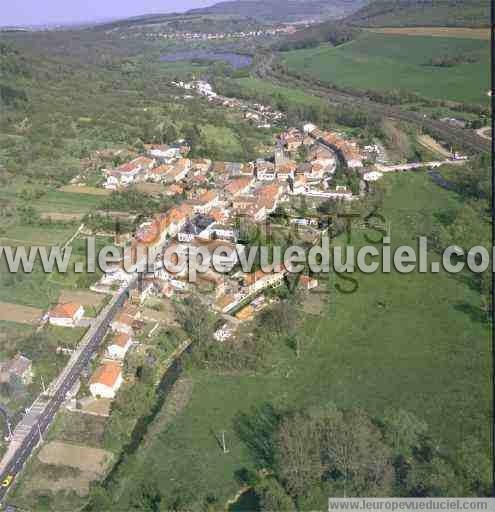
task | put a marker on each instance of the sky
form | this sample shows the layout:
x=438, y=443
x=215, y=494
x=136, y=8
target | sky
x=39, y=12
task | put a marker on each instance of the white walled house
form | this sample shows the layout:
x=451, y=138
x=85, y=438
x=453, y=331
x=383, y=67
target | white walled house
x=118, y=347
x=129, y=173
x=106, y=381
x=66, y=315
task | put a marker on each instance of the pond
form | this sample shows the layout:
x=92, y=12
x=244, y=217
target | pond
x=236, y=60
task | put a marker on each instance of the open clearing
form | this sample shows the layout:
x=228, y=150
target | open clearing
x=84, y=458
x=385, y=62
x=85, y=298
x=78, y=189
x=77, y=428
x=20, y=314
x=56, y=216
x=151, y=188
x=87, y=465
x=99, y=407
x=460, y=32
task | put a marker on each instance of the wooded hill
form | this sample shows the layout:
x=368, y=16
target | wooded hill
x=429, y=13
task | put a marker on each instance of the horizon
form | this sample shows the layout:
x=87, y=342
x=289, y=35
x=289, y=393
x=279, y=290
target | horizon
x=57, y=12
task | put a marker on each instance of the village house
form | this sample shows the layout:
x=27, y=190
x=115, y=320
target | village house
x=309, y=128
x=162, y=152
x=219, y=214
x=269, y=196
x=173, y=190
x=217, y=231
x=106, y=381
x=238, y=186
x=66, y=315
x=159, y=174
x=223, y=254
x=265, y=171
x=124, y=322
x=206, y=202
x=252, y=210
x=258, y=281
x=286, y=170
x=194, y=227
x=293, y=143
x=299, y=185
x=201, y=166
x=118, y=347
x=128, y=173
x=179, y=170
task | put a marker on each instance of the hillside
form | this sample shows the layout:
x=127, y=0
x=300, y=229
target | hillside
x=397, y=13
x=284, y=10
x=332, y=32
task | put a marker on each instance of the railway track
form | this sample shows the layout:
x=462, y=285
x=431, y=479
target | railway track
x=466, y=139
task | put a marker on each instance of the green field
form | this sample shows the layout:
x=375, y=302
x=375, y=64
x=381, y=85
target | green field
x=410, y=341
x=292, y=95
x=386, y=62
x=67, y=202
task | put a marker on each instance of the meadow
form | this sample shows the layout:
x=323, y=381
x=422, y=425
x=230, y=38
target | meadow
x=414, y=342
x=384, y=62
x=266, y=88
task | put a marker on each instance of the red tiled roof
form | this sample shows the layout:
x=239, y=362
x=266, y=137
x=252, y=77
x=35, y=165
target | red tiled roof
x=121, y=340
x=237, y=185
x=65, y=310
x=207, y=197
x=106, y=375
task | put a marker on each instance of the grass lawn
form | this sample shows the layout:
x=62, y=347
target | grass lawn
x=410, y=341
x=37, y=235
x=224, y=138
x=265, y=87
x=389, y=61
x=66, y=336
x=71, y=202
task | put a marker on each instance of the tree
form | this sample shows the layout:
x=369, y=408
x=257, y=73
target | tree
x=432, y=478
x=353, y=447
x=475, y=468
x=170, y=134
x=403, y=431
x=297, y=455
x=272, y=496
x=195, y=318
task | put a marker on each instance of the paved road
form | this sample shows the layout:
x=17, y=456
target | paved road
x=35, y=424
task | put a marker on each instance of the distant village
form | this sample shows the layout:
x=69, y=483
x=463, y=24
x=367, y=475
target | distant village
x=217, y=36
x=264, y=116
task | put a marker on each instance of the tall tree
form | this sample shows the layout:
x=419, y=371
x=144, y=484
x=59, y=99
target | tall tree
x=353, y=446
x=297, y=457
